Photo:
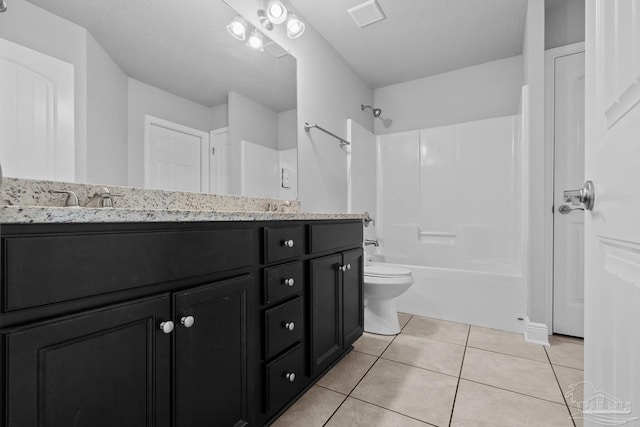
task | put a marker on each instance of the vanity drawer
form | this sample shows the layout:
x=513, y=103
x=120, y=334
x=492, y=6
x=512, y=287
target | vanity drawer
x=282, y=243
x=283, y=281
x=284, y=326
x=44, y=269
x=326, y=237
x=281, y=385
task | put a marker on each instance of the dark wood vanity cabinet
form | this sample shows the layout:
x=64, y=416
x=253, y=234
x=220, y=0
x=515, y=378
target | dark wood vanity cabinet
x=165, y=324
x=337, y=318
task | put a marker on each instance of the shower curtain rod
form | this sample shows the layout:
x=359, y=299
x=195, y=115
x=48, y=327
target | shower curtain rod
x=307, y=127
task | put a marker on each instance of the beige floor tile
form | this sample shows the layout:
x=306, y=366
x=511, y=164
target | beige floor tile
x=403, y=318
x=568, y=377
x=347, y=373
x=481, y=405
x=372, y=344
x=505, y=342
x=356, y=413
x=567, y=338
x=418, y=393
x=566, y=354
x=426, y=353
x=440, y=330
x=313, y=409
x=525, y=376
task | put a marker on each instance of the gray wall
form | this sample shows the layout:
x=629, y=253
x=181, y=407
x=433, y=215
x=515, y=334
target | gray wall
x=106, y=118
x=564, y=23
x=474, y=93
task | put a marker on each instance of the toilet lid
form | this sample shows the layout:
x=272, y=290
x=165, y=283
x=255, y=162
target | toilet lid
x=382, y=270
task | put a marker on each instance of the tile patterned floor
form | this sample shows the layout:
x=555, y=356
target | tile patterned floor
x=438, y=373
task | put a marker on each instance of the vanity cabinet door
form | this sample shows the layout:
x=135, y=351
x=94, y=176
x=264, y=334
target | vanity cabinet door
x=105, y=367
x=353, y=298
x=326, y=314
x=210, y=372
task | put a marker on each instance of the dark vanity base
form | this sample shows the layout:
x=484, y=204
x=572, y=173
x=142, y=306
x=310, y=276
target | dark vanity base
x=173, y=324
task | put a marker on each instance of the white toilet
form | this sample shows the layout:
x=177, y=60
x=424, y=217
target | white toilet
x=382, y=283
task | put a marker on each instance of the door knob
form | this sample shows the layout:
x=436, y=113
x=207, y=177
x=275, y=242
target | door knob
x=289, y=325
x=565, y=209
x=287, y=243
x=585, y=195
x=289, y=281
x=166, y=327
x=187, y=321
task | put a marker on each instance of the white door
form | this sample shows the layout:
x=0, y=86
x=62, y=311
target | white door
x=36, y=115
x=612, y=228
x=176, y=157
x=219, y=161
x=568, y=222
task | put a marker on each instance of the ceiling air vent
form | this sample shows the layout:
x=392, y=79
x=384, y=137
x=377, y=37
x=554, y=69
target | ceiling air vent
x=367, y=13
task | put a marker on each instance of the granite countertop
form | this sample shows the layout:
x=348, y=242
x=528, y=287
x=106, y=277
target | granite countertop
x=32, y=201
x=49, y=214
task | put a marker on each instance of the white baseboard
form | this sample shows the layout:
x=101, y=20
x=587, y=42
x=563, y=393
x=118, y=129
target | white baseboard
x=536, y=333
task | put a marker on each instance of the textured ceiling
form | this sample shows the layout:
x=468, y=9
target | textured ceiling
x=182, y=47
x=419, y=38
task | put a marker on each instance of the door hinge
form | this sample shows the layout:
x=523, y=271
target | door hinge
x=213, y=151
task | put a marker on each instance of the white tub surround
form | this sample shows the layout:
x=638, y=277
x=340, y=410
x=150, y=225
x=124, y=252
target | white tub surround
x=450, y=207
x=30, y=201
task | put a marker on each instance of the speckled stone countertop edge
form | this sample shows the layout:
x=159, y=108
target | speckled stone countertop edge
x=47, y=214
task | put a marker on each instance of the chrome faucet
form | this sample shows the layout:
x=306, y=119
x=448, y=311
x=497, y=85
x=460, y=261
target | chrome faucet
x=275, y=207
x=102, y=198
x=72, y=198
x=371, y=242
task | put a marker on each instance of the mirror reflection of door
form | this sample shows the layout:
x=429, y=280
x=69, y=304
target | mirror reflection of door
x=568, y=234
x=36, y=110
x=176, y=157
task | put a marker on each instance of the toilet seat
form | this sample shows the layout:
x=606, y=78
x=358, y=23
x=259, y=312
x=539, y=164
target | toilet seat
x=384, y=271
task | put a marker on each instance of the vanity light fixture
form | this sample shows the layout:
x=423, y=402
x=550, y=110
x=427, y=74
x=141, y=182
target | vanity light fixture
x=295, y=27
x=3, y=6
x=256, y=41
x=272, y=12
x=237, y=28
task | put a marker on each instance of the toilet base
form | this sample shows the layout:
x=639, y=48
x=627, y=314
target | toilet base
x=381, y=317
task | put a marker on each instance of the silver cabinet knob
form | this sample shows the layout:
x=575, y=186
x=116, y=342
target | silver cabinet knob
x=289, y=325
x=187, y=321
x=166, y=326
x=342, y=267
x=287, y=243
x=289, y=281
x=348, y=266
x=291, y=376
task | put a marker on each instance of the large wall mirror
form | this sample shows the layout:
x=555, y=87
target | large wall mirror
x=145, y=93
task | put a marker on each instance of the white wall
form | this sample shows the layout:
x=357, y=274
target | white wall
x=35, y=28
x=288, y=129
x=148, y=100
x=107, y=148
x=329, y=92
x=533, y=53
x=474, y=93
x=220, y=116
x=363, y=174
x=564, y=23
x=248, y=121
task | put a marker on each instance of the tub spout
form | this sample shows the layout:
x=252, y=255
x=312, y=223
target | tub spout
x=371, y=242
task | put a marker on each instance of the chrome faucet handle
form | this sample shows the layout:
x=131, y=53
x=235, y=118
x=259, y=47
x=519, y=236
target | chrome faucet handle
x=102, y=198
x=72, y=197
x=368, y=220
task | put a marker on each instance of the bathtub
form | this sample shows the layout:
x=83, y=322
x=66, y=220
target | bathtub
x=478, y=298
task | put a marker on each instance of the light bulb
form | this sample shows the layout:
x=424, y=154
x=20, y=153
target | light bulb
x=256, y=40
x=238, y=28
x=276, y=11
x=295, y=27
